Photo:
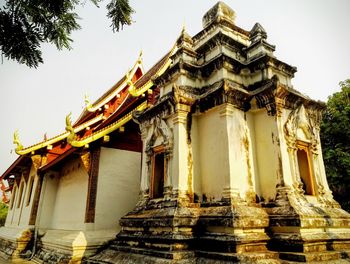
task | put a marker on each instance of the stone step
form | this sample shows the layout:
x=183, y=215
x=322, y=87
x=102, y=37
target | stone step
x=156, y=245
x=230, y=244
x=314, y=256
x=308, y=247
x=155, y=236
x=266, y=257
x=338, y=261
x=182, y=254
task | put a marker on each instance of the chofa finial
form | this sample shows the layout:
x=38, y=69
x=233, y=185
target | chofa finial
x=88, y=104
x=16, y=141
x=139, y=60
x=69, y=128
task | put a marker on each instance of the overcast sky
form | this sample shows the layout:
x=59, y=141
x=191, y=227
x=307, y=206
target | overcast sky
x=312, y=35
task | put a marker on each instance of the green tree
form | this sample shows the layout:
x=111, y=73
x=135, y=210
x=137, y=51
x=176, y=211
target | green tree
x=3, y=213
x=26, y=24
x=335, y=138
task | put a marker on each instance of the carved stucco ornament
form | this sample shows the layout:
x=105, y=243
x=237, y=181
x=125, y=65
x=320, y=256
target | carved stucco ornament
x=181, y=96
x=296, y=119
x=236, y=95
x=159, y=128
x=300, y=118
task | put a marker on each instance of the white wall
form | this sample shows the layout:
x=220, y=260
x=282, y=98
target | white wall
x=118, y=186
x=70, y=204
x=19, y=216
x=12, y=205
x=27, y=208
x=47, y=199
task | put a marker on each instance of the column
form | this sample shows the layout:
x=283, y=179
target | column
x=182, y=163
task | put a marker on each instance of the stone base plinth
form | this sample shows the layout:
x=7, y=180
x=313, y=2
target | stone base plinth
x=70, y=246
x=308, y=232
x=14, y=241
x=209, y=233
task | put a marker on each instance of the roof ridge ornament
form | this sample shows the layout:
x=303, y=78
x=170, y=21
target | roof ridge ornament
x=87, y=101
x=183, y=28
x=16, y=141
x=140, y=58
x=129, y=82
x=257, y=33
x=138, y=65
x=137, y=91
x=184, y=38
x=69, y=128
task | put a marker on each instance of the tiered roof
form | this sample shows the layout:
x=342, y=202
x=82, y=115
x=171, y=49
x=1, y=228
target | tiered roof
x=110, y=112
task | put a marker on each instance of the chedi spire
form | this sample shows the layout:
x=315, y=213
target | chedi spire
x=219, y=12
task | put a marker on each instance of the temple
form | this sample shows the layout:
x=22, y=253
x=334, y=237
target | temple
x=210, y=156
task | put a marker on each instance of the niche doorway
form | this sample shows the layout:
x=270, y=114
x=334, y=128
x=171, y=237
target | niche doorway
x=158, y=174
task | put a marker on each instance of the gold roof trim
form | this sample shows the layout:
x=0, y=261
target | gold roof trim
x=22, y=151
x=139, y=91
x=138, y=64
x=108, y=129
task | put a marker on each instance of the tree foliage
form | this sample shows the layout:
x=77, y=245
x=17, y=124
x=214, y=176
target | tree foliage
x=335, y=137
x=26, y=24
x=3, y=213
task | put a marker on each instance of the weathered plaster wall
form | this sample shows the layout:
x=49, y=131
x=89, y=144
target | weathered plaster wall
x=214, y=165
x=251, y=129
x=70, y=204
x=266, y=138
x=197, y=180
x=242, y=173
x=118, y=186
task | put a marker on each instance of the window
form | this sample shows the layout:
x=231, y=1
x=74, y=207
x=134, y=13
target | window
x=20, y=195
x=305, y=169
x=157, y=184
x=13, y=197
x=30, y=189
